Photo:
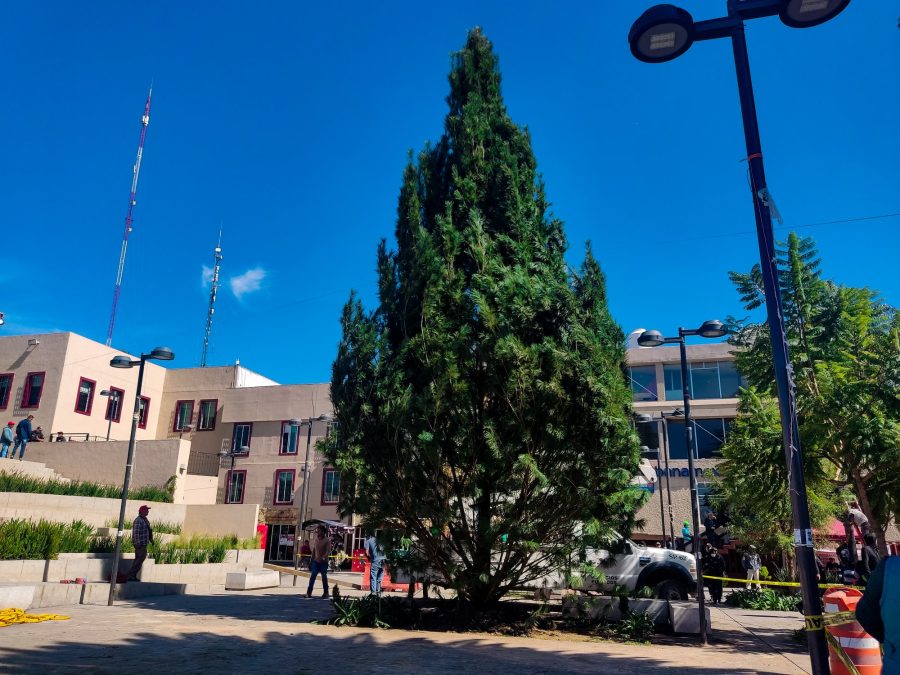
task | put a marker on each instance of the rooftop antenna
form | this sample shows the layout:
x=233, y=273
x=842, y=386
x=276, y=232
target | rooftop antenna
x=145, y=120
x=212, y=301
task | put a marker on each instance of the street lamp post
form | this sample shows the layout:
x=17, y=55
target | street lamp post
x=648, y=453
x=158, y=354
x=652, y=338
x=662, y=33
x=114, y=413
x=304, y=491
x=662, y=429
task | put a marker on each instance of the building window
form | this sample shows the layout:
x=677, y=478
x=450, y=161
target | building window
x=290, y=435
x=143, y=412
x=672, y=378
x=206, y=421
x=705, y=380
x=234, y=486
x=643, y=383
x=730, y=379
x=34, y=387
x=709, y=379
x=184, y=411
x=6, y=381
x=711, y=434
x=240, y=437
x=114, y=404
x=331, y=486
x=284, y=486
x=84, y=399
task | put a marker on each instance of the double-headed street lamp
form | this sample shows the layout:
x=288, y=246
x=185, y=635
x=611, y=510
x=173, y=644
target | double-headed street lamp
x=114, y=411
x=664, y=451
x=158, y=354
x=653, y=338
x=304, y=493
x=663, y=33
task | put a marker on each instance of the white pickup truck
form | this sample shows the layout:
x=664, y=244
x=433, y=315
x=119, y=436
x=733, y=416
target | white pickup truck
x=671, y=574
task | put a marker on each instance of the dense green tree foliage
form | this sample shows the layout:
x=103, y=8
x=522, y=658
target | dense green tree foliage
x=482, y=406
x=845, y=355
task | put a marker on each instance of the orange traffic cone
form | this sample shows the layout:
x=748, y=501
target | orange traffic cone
x=855, y=644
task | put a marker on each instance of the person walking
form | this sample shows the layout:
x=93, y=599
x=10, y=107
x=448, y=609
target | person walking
x=752, y=563
x=879, y=612
x=7, y=437
x=141, y=536
x=686, y=537
x=375, y=554
x=714, y=566
x=318, y=563
x=23, y=435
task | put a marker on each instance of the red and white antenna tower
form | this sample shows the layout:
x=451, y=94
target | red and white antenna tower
x=145, y=121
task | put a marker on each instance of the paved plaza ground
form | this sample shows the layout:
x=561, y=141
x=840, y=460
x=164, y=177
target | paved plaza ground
x=270, y=631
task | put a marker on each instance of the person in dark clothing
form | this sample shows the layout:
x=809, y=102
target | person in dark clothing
x=23, y=435
x=878, y=612
x=868, y=561
x=714, y=566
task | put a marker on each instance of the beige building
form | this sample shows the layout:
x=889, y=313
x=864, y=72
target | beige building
x=246, y=436
x=655, y=374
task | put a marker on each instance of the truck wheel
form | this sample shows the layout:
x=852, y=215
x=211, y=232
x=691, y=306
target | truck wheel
x=670, y=590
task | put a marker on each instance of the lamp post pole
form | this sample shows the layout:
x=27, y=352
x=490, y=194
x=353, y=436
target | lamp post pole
x=665, y=435
x=129, y=467
x=692, y=477
x=653, y=338
x=663, y=33
x=304, y=495
x=803, y=540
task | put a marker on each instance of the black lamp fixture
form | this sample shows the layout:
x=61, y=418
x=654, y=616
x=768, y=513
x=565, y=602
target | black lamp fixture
x=665, y=32
x=712, y=328
x=157, y=354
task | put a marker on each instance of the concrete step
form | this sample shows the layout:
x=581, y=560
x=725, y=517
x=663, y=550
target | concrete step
x=24, y=467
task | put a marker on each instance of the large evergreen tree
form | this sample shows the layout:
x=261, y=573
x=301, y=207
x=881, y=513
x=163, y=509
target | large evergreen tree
x=845, y=357
x=482, y=407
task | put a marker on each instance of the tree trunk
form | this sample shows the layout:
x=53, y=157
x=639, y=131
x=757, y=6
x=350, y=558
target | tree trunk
x=862, y=495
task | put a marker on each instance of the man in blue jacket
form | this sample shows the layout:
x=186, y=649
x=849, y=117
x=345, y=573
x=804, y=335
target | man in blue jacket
x=6, y=439
x=879, y=611
x=23, y=435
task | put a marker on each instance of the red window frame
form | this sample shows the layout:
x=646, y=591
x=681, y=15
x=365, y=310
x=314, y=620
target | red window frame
x=27, y=393
x=249, y=437
x=324, y=479
x=215, y=403
x=90, y=401
x=278, y=472
x=228, y=476
x=281, y=441
x=4, y=400
x=144, y=412
x=120, y=399
x=178, y=403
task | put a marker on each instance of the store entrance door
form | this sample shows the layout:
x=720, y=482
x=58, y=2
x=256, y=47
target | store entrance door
x=280, y=544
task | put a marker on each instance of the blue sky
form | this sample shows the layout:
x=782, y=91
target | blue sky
x=288, y=124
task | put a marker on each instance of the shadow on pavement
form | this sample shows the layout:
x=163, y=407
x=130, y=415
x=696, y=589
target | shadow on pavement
x=221, y=634
x=307, y=653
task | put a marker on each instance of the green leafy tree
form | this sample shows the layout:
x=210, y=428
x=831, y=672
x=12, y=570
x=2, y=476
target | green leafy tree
x=482, y=406
x=846, y=370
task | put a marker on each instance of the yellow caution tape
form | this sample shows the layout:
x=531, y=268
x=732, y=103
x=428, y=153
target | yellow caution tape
x=812, y=622
x=11, y=616
x=793, y=584
x=839, y=652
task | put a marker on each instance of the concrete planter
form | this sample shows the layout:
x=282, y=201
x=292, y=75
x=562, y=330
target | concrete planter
x=599, y=607
x=97, y=567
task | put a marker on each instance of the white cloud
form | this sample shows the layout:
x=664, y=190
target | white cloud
x=207, y=275
x=248, y=282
